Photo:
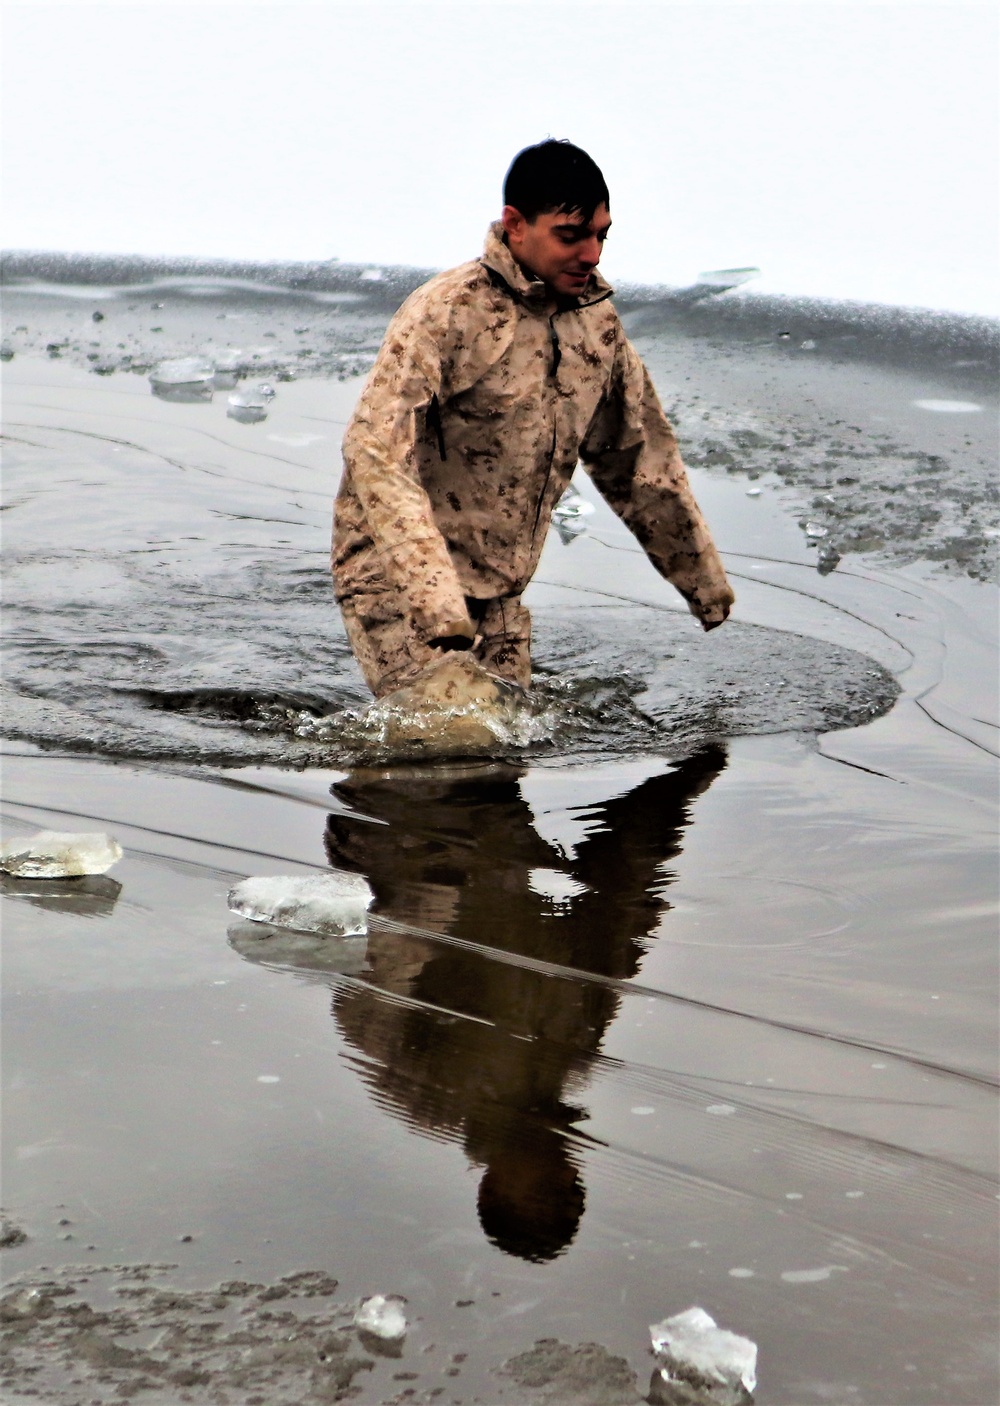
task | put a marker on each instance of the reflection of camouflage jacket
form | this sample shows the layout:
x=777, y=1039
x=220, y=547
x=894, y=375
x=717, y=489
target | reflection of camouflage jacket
x=469, y=429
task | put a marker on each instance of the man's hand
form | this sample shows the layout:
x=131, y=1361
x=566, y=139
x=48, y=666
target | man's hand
x=713, y=612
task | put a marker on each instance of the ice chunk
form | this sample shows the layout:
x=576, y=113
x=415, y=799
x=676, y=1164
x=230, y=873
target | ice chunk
x=815, y=530
x=53, y=854
x=249, y=405
x=568, y=515
x=691, y=1349
x=228, y=363
x=185, y=371
x=827, y=559
x=189, y=378
x=265, y=389
x=334, y=904
x=382, y=1315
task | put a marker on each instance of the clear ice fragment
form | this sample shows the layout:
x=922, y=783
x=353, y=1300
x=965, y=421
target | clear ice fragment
x=183, y=372
x=816, y=530
x=53, y=854
x=827, y=559
x=568, y=515
x=383, y=1315
x=691, y=1348
x=335, y=904
x=249, y=405
x=189, y=378
x=227, y=368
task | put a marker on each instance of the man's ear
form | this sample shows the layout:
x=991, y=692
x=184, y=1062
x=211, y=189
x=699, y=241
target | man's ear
x=513, y=221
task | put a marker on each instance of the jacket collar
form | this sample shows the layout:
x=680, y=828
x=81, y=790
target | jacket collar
x=499, y=260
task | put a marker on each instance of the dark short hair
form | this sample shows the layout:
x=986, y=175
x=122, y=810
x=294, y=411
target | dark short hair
x=555, y=176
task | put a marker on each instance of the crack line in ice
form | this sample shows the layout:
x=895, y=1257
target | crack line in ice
x=634, y=988
x=223, y=473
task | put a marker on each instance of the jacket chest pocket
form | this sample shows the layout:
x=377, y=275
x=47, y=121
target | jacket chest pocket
x=499, y=400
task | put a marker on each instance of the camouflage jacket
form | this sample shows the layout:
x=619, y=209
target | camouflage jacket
x=469, y=428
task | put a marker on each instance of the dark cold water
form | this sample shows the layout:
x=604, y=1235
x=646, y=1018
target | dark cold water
x=685, y=996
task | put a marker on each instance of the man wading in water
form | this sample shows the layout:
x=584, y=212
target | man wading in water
x=492, y=381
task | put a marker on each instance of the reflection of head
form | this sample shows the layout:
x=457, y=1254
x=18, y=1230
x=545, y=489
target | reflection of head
x=531, y=1197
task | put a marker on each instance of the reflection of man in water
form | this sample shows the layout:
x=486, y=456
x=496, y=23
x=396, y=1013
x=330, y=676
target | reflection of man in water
x=489, y=1049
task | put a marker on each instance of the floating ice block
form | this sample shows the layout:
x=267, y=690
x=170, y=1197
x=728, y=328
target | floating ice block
x=250, y=404
x=691, y=1348
x=335, y=905
x=53, y=854
x=184, y=371
x=569, y=514
x=382, y=1315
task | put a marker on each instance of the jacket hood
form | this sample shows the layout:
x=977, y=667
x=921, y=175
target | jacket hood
x=498, y=258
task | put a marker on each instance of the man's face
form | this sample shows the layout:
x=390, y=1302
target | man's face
x=559, y=248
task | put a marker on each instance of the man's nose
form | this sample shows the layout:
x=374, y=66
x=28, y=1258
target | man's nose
x=590, y=252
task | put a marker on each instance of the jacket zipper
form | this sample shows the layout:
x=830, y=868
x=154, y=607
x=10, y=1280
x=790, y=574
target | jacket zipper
x=553, y=368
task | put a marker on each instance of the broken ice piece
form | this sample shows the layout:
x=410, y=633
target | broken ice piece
x=52, y=854
x=335, y=905
x=249, y=405
x=827, y=559
x=184, y=371
x=187, y=380
x=383, y=1316
x=228, y=362
x=568, y=515
x=691, y=1348
x=816, y=530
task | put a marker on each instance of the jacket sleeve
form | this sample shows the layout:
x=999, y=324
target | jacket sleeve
x=382, y=457
x=632, y=456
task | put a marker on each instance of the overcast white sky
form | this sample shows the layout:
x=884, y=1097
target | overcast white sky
x=848, y=149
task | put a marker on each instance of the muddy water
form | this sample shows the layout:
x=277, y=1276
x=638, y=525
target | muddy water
x=692, y=1000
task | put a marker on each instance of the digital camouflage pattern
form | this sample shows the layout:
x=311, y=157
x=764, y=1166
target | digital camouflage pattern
x=467, y=432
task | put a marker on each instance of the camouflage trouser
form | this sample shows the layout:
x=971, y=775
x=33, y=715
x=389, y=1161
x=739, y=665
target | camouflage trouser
x=391, y=653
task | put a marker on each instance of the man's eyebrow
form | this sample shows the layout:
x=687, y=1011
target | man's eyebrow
x=582, y=229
